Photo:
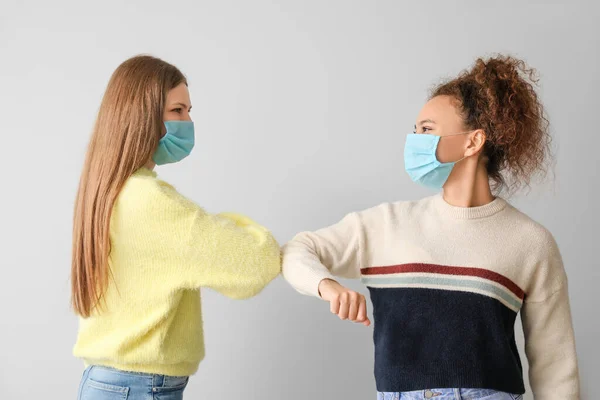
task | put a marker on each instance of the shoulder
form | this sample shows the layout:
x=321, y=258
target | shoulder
x=538, y=251
x=541, y=252
x=391, y=212
x=530, y=231
x=144, y=191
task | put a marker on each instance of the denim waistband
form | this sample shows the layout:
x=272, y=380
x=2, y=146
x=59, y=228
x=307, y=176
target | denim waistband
x=127, y=378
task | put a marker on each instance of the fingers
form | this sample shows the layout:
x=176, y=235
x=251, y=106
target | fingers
x=334, y=304
x=355, y=302
x=361, y=316
x=362, y=310
x=350, y=305
x=344, y=305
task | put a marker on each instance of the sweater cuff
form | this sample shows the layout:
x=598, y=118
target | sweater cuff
x=306, y=280
x=315, y=280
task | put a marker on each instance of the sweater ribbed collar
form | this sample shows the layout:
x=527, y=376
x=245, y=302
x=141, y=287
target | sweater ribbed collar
x=487, y=210
x=146, y=172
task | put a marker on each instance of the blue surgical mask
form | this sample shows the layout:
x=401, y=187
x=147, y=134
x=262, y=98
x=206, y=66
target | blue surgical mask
x=177, y=143
x=421, y=163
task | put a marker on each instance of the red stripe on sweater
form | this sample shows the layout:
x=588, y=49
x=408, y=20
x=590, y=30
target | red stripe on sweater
x=447, y=270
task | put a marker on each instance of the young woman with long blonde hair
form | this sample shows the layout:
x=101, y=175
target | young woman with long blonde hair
x=142, y=251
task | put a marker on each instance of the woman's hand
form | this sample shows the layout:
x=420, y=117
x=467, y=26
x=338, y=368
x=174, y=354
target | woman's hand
x=345, y=303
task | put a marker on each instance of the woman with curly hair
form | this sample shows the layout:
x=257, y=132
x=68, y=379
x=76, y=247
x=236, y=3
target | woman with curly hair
x=449, y=274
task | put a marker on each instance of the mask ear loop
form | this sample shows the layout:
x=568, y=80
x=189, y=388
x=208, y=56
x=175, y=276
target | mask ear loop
x=456, y=134
x=461, y=133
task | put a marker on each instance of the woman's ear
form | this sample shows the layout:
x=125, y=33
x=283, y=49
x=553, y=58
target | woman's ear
x=476, y=142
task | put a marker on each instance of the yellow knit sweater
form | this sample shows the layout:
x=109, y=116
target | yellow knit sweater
x=164, y=248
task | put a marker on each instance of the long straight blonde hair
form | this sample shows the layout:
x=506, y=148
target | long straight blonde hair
x=125, y=136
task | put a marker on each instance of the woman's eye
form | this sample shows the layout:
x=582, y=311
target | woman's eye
x=426, y=129
x=178, y=110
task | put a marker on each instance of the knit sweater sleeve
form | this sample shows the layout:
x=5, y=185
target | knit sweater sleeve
x=229, y=253
x=336, y=250
x=548, y=329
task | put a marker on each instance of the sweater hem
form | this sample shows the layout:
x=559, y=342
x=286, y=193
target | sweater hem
x=444, y=375
x=179, y=369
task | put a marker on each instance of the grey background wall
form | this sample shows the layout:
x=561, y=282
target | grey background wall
x=301, y=108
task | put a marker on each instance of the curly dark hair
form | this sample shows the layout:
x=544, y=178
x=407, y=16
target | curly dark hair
x=498, y=96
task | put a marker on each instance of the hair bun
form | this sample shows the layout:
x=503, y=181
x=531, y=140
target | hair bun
x=497, y=95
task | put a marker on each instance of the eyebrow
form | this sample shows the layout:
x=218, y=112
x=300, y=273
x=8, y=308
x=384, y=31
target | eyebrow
x=183, y=105
x=425, y=121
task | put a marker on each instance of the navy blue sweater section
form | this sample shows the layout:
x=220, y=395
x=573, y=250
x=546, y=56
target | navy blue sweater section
x=431, y=338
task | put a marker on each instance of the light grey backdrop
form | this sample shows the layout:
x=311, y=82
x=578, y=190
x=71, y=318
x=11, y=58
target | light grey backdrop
x=301, y=108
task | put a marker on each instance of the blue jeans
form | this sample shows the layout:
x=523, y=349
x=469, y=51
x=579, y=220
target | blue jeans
x=449, y=394
x=101, y=383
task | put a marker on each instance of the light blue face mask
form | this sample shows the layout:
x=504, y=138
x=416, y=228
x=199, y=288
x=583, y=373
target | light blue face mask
x=421, y=163
x=177, y=143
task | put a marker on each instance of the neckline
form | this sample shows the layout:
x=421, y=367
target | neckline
x=146, y=172
x=484, y=211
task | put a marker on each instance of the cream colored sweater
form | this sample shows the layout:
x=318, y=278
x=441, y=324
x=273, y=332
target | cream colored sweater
x=447, y=284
